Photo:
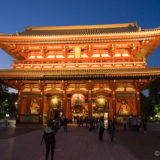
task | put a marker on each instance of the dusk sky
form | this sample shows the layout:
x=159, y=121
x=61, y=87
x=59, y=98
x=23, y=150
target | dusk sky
x=16, y=14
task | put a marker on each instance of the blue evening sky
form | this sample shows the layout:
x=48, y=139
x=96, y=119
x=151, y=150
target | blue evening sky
x=16, y=14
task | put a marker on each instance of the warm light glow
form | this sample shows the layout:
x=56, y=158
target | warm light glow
x=70, y=66
x=59, y=56
x=95, y=65
x=70, y=56
x=139, y=65
x=83, y=66
x=36, y=67
x=40, y=57
x=117, y=55
x=96, y=55
x=84, y=56
x=51, y=56
x=32, y=57
x=125, y=55
x=58, y=66
x=47, y=67
x=27, y=67
x=107, y=65
x=105, y=55
x=101, y=101
x=118, y=65
x=54, y=100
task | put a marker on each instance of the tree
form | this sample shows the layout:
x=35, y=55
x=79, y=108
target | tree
x=154, y=91
x=3, y=93
x=147, y=107
x=12, y=99
x=7, y=102
x=157, y=109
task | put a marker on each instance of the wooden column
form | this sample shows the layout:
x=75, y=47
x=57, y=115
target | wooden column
x=45, y=111
x=138, y=107
x=48, y=106
x=114, y=105
x=64, y=105
x=68, y=109
x=113, y=87
x=19, y=105
x=42, y=84
x=90, y=86
x=138, y=84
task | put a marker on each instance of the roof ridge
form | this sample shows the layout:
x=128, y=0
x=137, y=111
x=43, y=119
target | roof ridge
x=133, y=24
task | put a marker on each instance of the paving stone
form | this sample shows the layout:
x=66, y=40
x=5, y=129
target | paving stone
x=76, y=144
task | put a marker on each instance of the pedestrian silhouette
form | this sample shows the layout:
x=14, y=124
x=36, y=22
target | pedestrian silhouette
x=111, y=130
x=49, y=138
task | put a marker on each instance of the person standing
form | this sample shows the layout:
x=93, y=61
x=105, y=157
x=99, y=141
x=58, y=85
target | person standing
x=49, y=138
x=124, y=124
x=144, y=124
x=100, y=129
x=81, y=121
x=111, y=130
x=65, y=122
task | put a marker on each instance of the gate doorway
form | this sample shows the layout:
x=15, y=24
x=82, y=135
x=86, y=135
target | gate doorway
x=55, y=107
x=100, y=109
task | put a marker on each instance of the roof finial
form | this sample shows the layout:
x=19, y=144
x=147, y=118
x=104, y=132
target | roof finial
x=17, y=34
x=139, y=29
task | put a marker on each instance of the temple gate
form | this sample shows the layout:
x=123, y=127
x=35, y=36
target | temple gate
x=79, y=70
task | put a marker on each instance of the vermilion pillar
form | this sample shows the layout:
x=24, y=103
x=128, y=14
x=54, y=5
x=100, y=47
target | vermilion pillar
x=138, y=103
x=114, y=105
x=42, y=106
x=90, y=99
x=19, y=105
x=64, y=105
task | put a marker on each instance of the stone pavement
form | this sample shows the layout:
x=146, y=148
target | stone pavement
x=143, y=145
x=76, y=144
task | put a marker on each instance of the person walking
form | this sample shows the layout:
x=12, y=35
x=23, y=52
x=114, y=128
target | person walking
x=49, y=138
x=111, y=130
x=100, y=129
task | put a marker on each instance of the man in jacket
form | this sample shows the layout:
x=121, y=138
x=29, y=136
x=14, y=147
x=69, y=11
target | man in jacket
x=49, y=138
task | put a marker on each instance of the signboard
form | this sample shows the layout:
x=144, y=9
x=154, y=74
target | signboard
x=77, y=52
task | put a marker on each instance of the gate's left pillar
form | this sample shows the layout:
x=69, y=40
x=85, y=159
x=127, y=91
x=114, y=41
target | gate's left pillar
x=43, y=114
x=64, y=104
x=19, y=105
x=90, y=87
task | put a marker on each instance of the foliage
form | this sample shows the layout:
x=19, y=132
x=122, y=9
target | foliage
x=150, y=105
x=3, y=93
x=7, y=102
x=154, y=91
x=147, y=107
x=157, y=109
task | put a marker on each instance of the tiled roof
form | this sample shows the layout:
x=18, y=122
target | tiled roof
x=81, y=73
x=81, y=30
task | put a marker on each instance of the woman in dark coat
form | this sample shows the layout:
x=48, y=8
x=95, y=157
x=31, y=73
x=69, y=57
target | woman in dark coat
x=49, y=138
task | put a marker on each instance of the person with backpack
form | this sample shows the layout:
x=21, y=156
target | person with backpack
x=49, y=138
